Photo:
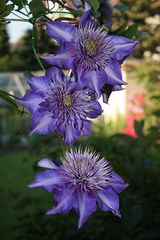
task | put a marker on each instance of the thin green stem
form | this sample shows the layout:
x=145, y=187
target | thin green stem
x=59, y=12
x=21, y=13
x=34, y=48
x=11, y=95
x=62, y=145
x=17, y=15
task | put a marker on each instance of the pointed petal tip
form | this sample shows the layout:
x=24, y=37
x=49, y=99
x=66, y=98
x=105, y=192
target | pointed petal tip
x=118, y=214
x=79, y=226
x=30, y=185
x=45, y=55
x=31, y=133
x=87, y=6
x=50, y=211
x=46, y=163
x=126, y=185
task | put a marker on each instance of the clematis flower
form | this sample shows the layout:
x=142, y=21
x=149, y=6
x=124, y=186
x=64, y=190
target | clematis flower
x=83, y=181
x=57, y=103
x=92, y=54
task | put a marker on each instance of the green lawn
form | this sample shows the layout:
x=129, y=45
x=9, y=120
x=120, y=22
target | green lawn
x=16, y=172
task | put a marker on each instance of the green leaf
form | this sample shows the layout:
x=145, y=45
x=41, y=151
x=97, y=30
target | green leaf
x=7, y=11
x=121, y=8
x=157, y=113
x=37, y=7
x=131, y=31
x=94, y=4
x=2, y=5
x=20, y=3
x=9, y=99
x=139, y=127
x=121, y=29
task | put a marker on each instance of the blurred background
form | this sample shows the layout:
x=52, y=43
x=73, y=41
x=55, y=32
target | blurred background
x=128, y=135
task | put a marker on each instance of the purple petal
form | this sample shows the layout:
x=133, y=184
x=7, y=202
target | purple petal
x=96, y=110
x=68, y=133
x=109, y=199
x=31, y=101
x=61, y=59
x=47, y=163
x=71, y=135
x=86, y=130
x=93, y=79
x=48, y=180
x=123, y=47
x=118, y=184
x=114, y=73
x=65, y=202
x=86, y=206
x=86, y=15
x=39, y=84
x=54, y=73
x=60, y=31
x=42, y=123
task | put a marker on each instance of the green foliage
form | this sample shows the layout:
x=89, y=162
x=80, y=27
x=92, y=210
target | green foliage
x=137, y=13
x=19, y=3
x=5, y=96
x=37, y=10
x=94, y=3
x=4, y=41
x=150, y=75
x=2, y=6
x=24, y=50
x=121, y=8
x=8, y=9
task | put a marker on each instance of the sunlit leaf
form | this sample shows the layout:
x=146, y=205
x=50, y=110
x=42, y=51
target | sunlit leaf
x=2, y=5
x=19, y=3
x=94, y=3
x=121, y=8
x=37, y=7
x=121, y=29
x=8, y=10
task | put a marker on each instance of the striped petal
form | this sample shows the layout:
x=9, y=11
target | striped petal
x=60, y=31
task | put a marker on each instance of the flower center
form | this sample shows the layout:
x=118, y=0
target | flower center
x=86, y=172
x=90, y=47
x=67, y=100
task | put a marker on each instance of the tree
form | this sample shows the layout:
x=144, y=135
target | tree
x=4, y=41
x=144, y=14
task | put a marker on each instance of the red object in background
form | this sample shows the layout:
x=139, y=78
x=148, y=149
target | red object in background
x=129, y=130
x=130, y=120
x=136, y=107
x=139, y=99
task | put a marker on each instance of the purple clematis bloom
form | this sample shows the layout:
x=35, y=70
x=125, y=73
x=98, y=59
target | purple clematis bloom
x=57, y=103
x=92, y=54
x=82, y=181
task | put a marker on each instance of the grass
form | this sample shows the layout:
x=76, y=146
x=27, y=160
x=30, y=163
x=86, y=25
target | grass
x=16, y=172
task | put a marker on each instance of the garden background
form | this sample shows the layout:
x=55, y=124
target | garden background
x=128, y=138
